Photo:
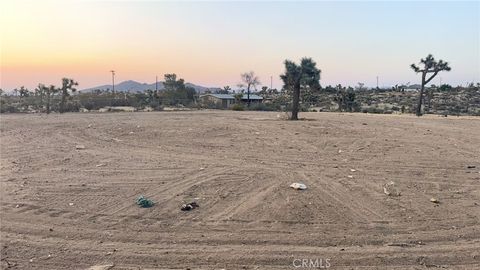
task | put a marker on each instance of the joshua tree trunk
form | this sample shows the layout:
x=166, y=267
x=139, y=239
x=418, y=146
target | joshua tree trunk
x=420, y=98
x=296, y=101
x=62, y=103
x=48, y=101
x=248, y=96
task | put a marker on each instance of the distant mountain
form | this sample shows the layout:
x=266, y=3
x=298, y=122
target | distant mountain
x=134, y=86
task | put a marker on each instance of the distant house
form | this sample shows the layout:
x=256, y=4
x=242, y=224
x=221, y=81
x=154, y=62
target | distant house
x=227, y=100
x=412, y=88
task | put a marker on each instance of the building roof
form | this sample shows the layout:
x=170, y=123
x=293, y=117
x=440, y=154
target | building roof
x=231, y=96
x=252, y=96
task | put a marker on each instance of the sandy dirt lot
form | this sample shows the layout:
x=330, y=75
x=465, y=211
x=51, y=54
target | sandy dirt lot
x=63, y=208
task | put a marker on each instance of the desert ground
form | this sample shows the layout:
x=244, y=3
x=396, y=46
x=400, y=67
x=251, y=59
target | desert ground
x=69, y=208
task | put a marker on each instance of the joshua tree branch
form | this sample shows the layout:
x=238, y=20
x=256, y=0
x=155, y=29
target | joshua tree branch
x=431, y=77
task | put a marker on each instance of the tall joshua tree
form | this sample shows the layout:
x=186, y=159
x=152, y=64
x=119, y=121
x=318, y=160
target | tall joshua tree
x=67, y=87
x=297, y=76
x=249, y=79
x=428, y=66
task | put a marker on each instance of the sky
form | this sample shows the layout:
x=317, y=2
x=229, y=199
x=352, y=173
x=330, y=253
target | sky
x=212, y=43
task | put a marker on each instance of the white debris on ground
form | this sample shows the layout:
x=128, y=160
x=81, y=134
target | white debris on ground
x=298, y=186
x=101, y=267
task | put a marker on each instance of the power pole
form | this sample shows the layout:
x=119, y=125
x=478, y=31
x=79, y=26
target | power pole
x=377, y=82
x=271, y=82
x=156, y=84
x=113, y=81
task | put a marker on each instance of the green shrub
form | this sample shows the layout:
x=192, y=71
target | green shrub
x=144, y=202
x=237, y=107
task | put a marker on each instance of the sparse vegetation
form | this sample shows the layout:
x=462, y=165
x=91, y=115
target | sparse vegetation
x=237, y=107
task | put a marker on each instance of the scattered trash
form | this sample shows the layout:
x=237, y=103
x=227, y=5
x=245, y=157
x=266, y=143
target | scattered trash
x=364, y=124
x=131, y=132
x=353, y=170
x=202, y=168
x=390, y=189
x=350, y=176
x=434, y=200
x=80, y=147
x=189, y=206
x=144, y=202
x=340, y=151
x=298, y=186
x=89, y=126
x=471, y=167
x=100, y=165
x=71, y=204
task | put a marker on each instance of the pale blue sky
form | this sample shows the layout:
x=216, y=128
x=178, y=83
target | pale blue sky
x=211, y=43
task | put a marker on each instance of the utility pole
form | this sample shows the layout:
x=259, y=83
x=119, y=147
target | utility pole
x=271, y=82
x=156, y=84
x=377, y=82
x=113, y=81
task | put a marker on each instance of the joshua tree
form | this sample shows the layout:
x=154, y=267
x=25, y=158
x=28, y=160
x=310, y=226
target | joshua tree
x=49, y=91
x=297, y=76
x=40, y=92
x=67, y=86
x=428, y=65
x=227, y=89
x=238, y=98
x=249, y=79
x=23, y=92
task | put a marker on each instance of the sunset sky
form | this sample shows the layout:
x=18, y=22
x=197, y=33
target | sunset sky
x=211, y=43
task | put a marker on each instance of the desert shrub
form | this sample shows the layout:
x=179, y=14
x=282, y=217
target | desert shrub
x=237, y=107
x=121, y=102
x=262, y=107
x=372, y=110
x=8, y=108
x=72, y=106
